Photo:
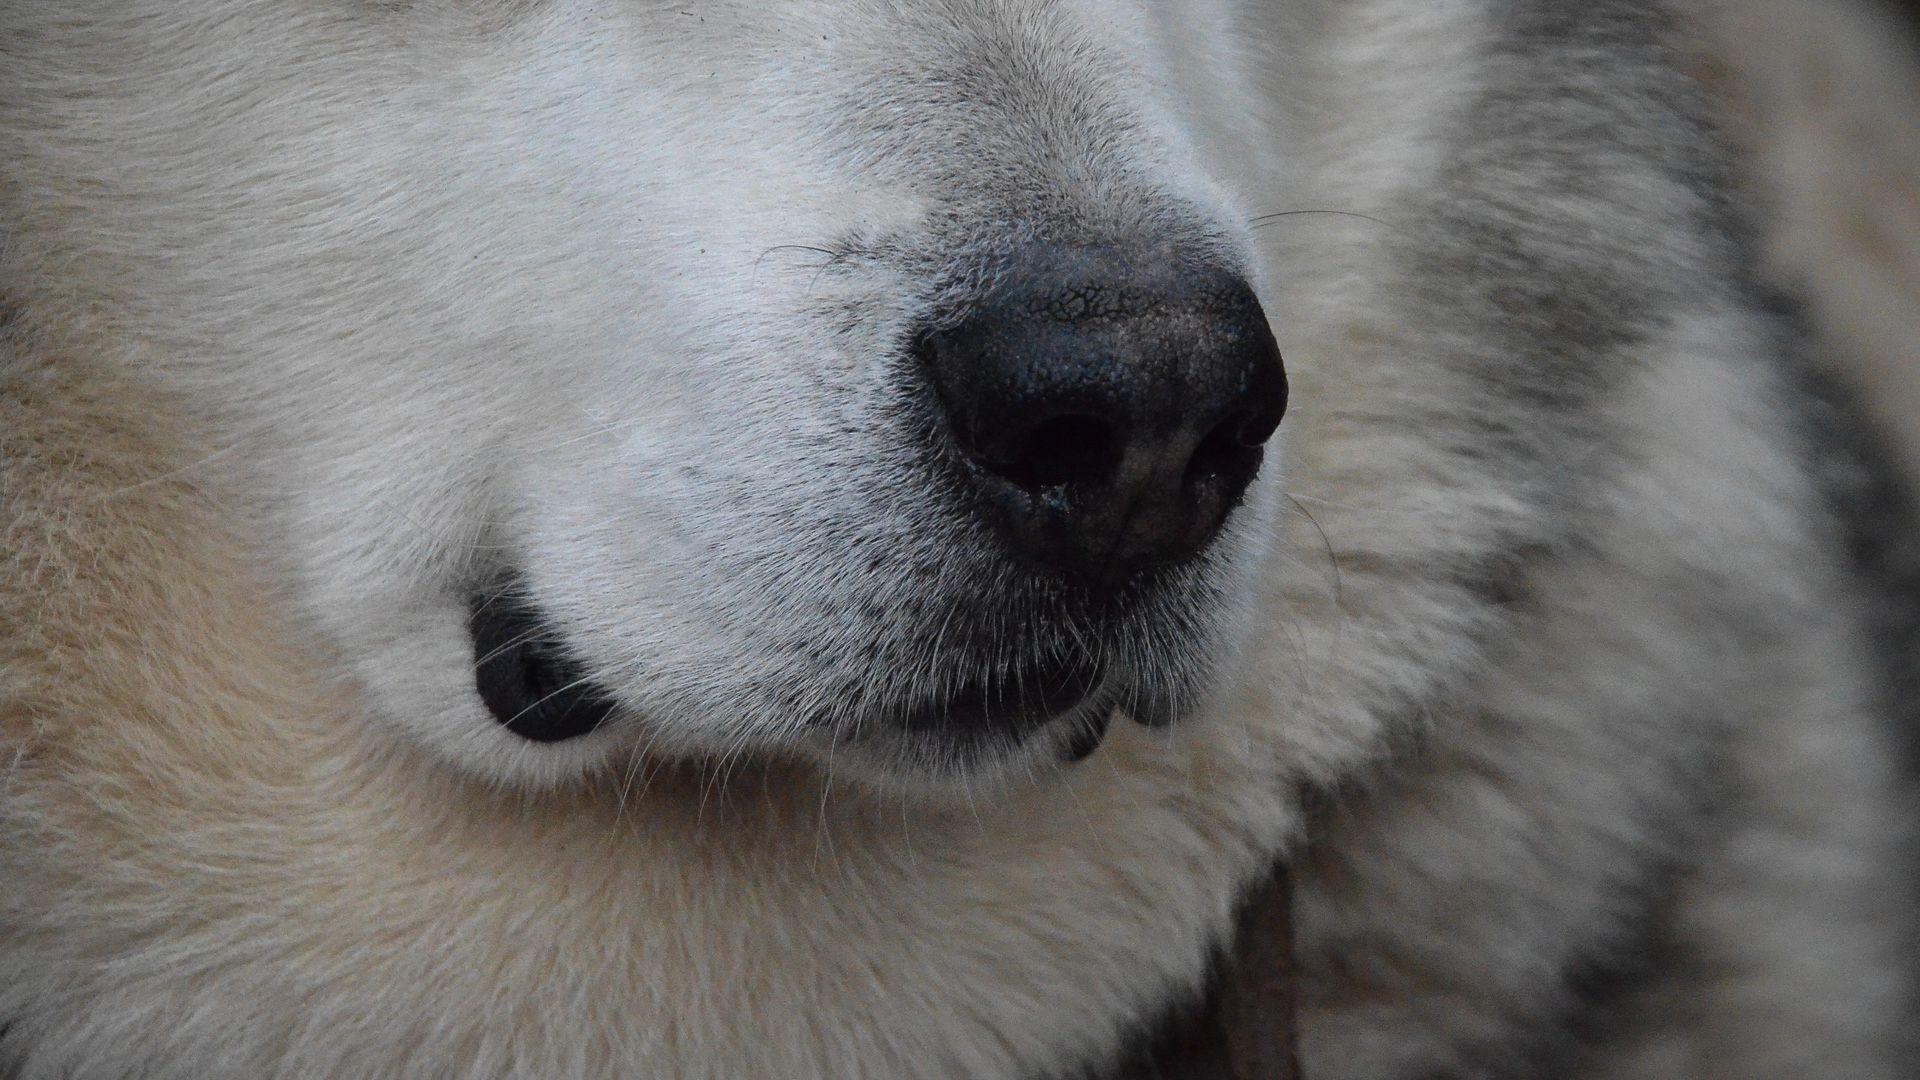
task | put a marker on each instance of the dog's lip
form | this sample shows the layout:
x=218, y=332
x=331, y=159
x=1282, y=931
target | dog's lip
x=1075, y=698
x=1015, y=701
x=1069, y=724
x=533, y=685
x=525, y=675
x=1088, y=733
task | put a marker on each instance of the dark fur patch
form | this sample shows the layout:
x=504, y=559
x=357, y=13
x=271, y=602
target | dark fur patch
x=1879, y=520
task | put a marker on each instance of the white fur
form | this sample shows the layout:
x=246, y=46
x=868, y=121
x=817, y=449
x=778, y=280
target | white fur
x=320, y=312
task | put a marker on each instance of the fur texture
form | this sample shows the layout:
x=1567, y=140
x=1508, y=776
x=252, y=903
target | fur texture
x=1541, y=650
x=1824, y=95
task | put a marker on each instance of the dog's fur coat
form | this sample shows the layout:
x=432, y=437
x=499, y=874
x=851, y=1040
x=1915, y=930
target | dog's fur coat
x=1567, y=678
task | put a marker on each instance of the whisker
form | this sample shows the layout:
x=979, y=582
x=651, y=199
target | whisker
x=546, y=697
x=173, y=474
x=1333, y=560
x=1357, y=508
x=823, y=828
x=504, y=647
x=1264, y=220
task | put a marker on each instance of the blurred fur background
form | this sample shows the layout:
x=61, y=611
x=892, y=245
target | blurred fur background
x=1826, y=96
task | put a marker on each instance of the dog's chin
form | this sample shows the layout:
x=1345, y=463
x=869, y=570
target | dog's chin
x=966, y=760
x=955, y=765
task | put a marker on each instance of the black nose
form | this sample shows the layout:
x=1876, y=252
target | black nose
x=1109, y=411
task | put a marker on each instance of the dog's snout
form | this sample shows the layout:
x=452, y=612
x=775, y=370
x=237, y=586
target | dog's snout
x=1109, y=410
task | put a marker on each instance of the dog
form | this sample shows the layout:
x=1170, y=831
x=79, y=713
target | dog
x=781, y=539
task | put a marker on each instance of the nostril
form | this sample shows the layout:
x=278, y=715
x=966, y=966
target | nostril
x=1253, y=428
x=1231, y=450
x=1082, y=450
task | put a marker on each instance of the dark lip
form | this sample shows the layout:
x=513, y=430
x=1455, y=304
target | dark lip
x=1088, y=734
x=526, y=677
x=536, y=688
x=1011, y=703
x=1079, y=695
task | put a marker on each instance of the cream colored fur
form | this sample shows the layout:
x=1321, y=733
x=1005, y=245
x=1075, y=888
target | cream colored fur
x=216, y=866
x=238, y=458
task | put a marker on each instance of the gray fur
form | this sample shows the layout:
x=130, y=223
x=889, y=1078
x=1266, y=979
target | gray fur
x=1564, y=648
